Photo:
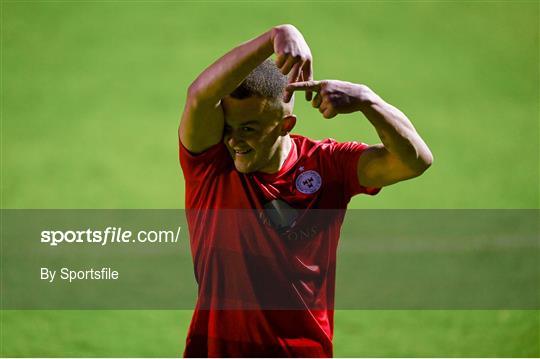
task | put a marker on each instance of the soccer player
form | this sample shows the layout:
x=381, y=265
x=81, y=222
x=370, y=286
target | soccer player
x=266, y=277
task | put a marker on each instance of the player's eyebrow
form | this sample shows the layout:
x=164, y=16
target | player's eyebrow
x=250, y=122
x=242, y=124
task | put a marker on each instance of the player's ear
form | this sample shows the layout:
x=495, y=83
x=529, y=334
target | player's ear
x=288, y=123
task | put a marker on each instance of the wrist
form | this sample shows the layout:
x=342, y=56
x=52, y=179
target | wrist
x=273, y=31
x=366, y=98
x=268, y=41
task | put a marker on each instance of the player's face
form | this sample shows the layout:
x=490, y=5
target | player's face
x=253, y=133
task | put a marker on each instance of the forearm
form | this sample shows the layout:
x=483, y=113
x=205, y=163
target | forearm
x=395, y=131
x=225, y=74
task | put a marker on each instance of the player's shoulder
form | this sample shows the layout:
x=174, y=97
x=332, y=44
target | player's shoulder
x=309, y=147
x=201, y=165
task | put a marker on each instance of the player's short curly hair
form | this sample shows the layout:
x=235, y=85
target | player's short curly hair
x=265, y=81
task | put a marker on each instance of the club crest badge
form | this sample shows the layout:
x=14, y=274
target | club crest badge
x=309, y=182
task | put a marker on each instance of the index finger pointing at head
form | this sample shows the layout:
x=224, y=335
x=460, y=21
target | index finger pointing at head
x=305, y=86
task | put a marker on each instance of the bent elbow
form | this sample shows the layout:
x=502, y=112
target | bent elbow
x=200, y=95
x=194, y=91
x=423, y=162
x=427, y=159
x=194, y=97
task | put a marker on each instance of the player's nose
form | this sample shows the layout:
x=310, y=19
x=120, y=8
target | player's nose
x=231, y=142
x=233, y=138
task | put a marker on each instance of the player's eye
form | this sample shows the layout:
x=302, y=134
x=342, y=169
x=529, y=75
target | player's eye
x=247, y=129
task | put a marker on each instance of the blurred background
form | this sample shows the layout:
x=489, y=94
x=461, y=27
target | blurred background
x=92, y=93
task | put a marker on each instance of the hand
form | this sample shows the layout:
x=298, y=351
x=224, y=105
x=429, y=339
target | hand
x=333, y=96
x=293, y=56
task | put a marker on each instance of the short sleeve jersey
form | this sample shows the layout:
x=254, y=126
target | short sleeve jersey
x=264, y=249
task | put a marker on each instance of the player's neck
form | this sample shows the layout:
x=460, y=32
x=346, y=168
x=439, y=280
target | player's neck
x=280, y=156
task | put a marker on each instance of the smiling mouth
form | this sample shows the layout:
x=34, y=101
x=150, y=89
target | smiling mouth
x=241, y=153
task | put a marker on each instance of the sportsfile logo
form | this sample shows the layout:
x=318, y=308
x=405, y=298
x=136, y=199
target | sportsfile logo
x=109, y=235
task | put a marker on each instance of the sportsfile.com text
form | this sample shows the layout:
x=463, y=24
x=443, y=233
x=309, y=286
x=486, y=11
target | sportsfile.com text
x=109, y=235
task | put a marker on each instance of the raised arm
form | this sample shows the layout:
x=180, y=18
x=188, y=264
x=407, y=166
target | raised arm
x=401, y=155
x=202, y=121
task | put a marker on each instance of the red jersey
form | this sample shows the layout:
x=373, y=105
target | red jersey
x=264, y=249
